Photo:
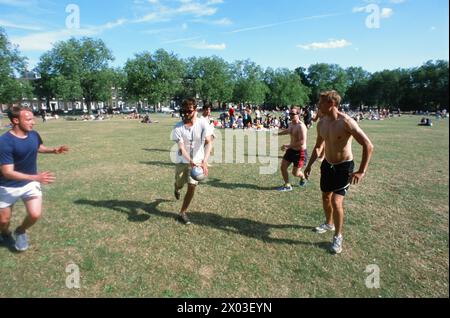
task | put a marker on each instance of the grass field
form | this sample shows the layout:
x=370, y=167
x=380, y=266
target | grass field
x=112, y=213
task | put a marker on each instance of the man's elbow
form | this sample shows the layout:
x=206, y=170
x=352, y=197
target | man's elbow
x=369, y=147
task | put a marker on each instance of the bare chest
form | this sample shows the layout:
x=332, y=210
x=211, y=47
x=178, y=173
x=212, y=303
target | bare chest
x=334, y=132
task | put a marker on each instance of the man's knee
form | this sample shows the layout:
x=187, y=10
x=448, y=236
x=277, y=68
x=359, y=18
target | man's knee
x=5, y=215
x=337, y=201
x=326, y=197
x=35, y=214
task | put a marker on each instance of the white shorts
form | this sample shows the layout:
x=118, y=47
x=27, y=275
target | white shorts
x=9, y=195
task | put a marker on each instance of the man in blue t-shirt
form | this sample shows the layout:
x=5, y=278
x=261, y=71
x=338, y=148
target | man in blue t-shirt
x=19, y=178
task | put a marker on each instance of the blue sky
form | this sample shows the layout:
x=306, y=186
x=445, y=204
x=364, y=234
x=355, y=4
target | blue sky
x=373, y=34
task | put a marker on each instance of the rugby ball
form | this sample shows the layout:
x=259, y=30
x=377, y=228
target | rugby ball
x=197, y=173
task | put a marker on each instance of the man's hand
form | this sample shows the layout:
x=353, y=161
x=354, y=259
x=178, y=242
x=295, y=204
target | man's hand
x=61, y=149
x=205, y=168
x=284, y=147
x=45, y=177
x=307, y=172
x=356, y=177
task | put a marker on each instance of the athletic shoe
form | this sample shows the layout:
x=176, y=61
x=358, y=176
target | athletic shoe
x=285, y=188
x=7, y=239
x=322, y=228
x=21, y=241
x=183, y=218
x=303, y=182
x=336, y=247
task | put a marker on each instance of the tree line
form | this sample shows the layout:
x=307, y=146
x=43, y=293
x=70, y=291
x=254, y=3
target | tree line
x=79, y=69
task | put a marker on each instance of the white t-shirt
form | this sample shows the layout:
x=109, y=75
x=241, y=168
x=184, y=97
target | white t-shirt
x=193, y=138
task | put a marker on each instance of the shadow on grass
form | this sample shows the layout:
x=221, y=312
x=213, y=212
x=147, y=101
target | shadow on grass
x=131, y=208
x=214, y=182
x=154, y=149
x=241, y=226
x=159, y=163
x=10, y=247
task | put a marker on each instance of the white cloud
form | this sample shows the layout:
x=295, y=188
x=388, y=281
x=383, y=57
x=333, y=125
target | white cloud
x=397, y=1
x=111, y=25
x=9, y=24
x=184, y=26
x=270, y=25
x=151, y=17
x=332, y=44
x=214, y=2
x=196, y=9
x=16, y=3
x=156, y=31
x=359, y=9
x=182, y=40
x=165, y=13
x=223, y=21
x=43, y=41
x=386, y=13
x=205, y=46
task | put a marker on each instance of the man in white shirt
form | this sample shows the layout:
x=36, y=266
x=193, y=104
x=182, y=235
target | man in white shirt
x=193, y=137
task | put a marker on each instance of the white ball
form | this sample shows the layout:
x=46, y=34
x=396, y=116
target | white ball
x=197, y=173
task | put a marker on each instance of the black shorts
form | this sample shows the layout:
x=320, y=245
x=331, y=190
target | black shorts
x=297, y=157
x=336, y=178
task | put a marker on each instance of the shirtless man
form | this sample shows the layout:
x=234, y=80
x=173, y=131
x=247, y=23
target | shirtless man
x=336, y=130
x=295, y=151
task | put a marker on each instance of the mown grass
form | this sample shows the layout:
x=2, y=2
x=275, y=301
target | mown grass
x=112, y=213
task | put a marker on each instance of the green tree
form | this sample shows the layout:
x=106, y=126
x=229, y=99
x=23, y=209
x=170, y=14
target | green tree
x=75, y=69
x=11, y=64
x=384, y=89
x=210, y=78
x=157, y=77
x=322, y=77
x=285, y=88
x=428, y=87
x=249, y=83
x=357, y=81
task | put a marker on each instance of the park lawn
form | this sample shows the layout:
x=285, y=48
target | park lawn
x=112, y=213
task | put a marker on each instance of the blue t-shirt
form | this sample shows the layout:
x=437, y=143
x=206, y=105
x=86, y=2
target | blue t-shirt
x=22, y=153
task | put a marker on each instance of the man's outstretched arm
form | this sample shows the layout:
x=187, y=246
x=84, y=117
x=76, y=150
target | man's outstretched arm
x=57, y=150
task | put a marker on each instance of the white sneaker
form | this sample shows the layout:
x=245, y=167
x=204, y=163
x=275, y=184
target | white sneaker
x=336, y=247
x=285, y=188
x=325, y=227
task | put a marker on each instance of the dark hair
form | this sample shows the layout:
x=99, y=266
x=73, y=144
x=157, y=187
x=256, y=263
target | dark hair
x=14, y=111
x=188, y=102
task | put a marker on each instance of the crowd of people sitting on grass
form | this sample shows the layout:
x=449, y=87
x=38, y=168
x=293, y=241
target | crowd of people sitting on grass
x=249, y=117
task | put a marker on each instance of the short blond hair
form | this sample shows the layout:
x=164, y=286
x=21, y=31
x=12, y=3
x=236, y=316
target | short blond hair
x=331, y=96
